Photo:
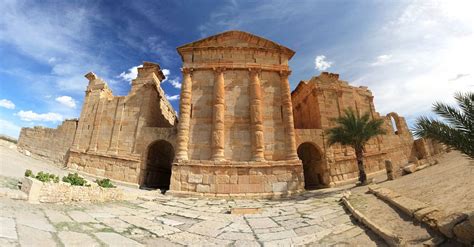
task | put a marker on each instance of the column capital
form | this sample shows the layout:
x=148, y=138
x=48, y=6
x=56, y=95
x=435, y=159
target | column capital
x=187, y=70
x=285, y=72
x=219, y=69
x=255, y=70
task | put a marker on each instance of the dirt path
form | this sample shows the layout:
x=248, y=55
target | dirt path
x=448, y=185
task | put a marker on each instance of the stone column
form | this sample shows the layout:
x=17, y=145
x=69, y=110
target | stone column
x=256, y=120
x=288, y=116
x=184, y=115
x=218, y=112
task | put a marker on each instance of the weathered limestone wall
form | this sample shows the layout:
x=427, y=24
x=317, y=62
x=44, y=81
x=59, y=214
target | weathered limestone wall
x=317, y=102
x=237, y=179
x=114, y=131
x=426, y=148
x=235, y=111
x=48, y=143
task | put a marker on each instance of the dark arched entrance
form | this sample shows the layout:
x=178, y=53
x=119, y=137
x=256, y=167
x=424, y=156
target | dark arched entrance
x=312, y=165
x=158, y=165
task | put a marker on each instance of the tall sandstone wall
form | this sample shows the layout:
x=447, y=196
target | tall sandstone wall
x=323, y=98
x=48, y=143
x=114, y=132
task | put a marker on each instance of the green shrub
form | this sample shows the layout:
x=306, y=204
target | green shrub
x=47, y=177
x=29, y=173
x=75, y=179
x=104, y=183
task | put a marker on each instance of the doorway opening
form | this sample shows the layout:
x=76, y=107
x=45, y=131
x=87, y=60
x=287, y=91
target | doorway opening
x=312, y=161
x=158, y=165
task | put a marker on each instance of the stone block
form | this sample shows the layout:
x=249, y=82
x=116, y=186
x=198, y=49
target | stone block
x=464, y=232
x=195, y=178
x=203, y=188
x=447, y=224
x=280, y=187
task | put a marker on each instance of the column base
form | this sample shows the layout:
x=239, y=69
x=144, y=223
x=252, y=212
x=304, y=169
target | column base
x=253, y=179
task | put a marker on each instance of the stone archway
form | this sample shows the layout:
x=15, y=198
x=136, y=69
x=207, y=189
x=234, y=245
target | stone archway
x=159, y=160
x=312, y=161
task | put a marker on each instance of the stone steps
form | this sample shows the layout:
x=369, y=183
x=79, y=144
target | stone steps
x=390, y=223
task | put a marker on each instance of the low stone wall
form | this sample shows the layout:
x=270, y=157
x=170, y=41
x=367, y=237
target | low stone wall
x=237, y=179
x=61, y=192
x=125, y=169
x=48, y=143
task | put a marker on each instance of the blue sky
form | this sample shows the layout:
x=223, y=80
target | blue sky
x=409, y=53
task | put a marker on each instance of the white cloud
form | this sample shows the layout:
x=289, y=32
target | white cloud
x=130, y=74
x=10, y=129
x=166, y=72
x=321, y=63
x=173, y=97
x=67, y=101
x=45, y=117
x=175, y=82
x=7, y=104
x=382, y=59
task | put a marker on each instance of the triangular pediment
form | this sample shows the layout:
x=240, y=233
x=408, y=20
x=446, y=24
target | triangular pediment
x=236, y=39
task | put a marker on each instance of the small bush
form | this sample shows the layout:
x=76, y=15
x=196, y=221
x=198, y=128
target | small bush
x=47, y=177
x=29, y=173
x=105, y=183
x=75, y=179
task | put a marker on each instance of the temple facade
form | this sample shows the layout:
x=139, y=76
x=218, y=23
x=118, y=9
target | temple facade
x=241, y=132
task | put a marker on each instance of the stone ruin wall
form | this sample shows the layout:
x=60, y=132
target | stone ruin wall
x=114, y=131
x=48, y=143
x=325, y=97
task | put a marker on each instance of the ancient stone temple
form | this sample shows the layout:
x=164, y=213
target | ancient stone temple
x=241, y=131
x=236, y=133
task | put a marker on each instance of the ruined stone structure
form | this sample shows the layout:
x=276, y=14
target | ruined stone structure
x=52, y=144
x=241, y=132
x=316, y=102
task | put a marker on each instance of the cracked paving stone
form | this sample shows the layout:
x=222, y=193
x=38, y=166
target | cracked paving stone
x=8, y=228
x=77, y=239
x=56, y=216
x=29, y=236
x=236, y=236
x=258, y=223
x=208, y=228
x=34, y=220
x=114, y=239
x=287, y=234
x=81, y=217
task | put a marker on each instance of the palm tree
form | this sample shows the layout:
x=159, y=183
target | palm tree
x=356, y=131
x=457, y=128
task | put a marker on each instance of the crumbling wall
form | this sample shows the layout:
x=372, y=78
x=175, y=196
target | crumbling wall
x=48, y=143
x=426, y=148
x=114, y=131
x=317, y=102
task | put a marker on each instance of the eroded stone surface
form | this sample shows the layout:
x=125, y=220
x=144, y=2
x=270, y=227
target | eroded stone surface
x=170, y=221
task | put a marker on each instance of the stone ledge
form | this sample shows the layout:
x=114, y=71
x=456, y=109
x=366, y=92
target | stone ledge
x=459, y=226
x=238, y=164
x=273, y=195
x=389, y=237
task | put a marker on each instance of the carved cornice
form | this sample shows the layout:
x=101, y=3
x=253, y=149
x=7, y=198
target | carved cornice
x=237, y=66
x=187, y=70
x=285, y=73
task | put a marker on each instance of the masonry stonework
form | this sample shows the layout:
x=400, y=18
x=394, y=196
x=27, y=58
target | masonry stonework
x=241, y=131
x=52, y=144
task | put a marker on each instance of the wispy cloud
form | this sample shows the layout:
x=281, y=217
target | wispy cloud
x=172, y=97
x=382, y=59
x=67, y=101
x=130, y=74
x=321, y=63
x=44, y=117
x=7, y=104
x=458, y=76
x=9, y=128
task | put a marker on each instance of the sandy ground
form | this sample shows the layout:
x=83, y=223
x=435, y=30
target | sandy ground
x=448, y=185
x=13, y=164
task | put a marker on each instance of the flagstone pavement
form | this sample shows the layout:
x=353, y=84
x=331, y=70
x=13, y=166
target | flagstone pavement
x=314, y=219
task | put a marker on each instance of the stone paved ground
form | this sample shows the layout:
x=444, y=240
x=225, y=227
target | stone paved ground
x=158, y=220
